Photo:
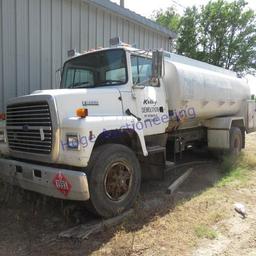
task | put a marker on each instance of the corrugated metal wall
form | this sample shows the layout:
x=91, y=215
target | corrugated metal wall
x=35, y=36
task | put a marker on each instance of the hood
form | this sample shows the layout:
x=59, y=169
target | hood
x=98, y=101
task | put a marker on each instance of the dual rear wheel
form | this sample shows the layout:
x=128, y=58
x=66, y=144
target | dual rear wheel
x=236, y=141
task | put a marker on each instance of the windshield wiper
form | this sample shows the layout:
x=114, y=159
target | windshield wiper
x=84, y=84
x=110, y=82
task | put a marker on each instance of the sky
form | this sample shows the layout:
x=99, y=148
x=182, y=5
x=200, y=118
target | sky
x=147, y=7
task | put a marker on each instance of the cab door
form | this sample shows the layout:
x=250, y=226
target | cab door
x=151, y=101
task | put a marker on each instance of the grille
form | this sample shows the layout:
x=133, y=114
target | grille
x=29, y=127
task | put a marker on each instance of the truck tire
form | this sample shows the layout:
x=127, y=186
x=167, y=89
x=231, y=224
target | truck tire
x=114, y=180
x=236, y=141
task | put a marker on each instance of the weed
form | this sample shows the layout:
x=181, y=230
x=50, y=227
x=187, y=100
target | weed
x=238, y=175
x=236, y=169
x=248, y=159
x=216, y=217
x=229, y=163
x=203, y=231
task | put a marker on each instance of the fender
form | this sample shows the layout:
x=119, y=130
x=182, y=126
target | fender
x=88, y=130
x=218, y=131
x=224, y=123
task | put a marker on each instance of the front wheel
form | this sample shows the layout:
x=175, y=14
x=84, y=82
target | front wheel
x=114, y=179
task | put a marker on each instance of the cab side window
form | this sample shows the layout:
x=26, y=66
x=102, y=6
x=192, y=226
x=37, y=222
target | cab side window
x=141, y=69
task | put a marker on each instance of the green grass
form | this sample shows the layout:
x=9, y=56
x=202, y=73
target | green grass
x=237, y=175
x=202, y=231
x=235, y=170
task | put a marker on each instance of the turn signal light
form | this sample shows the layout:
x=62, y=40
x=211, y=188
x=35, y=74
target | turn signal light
x=82, y=112
x=2, y=116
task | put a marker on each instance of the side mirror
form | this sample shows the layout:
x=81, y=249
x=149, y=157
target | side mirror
x=157, y=64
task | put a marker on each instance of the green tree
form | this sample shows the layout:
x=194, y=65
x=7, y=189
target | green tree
x=220, y=33
x=169, y=18
x=187, y=42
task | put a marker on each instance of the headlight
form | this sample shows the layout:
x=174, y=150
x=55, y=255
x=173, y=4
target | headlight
x=73, y=142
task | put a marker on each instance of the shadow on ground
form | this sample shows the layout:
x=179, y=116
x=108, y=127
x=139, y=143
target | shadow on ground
x=30, y=223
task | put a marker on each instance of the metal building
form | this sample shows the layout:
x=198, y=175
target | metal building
x=35, y=36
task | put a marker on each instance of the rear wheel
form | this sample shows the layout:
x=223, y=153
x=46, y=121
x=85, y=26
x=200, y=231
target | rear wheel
x=236, y=141
x=114, y=179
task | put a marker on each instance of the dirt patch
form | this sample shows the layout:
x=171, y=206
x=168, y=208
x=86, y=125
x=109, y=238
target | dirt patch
x=161, y=225
x=237, y=236
x=30, y=221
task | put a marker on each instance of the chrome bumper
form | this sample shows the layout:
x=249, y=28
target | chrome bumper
x=54, y=182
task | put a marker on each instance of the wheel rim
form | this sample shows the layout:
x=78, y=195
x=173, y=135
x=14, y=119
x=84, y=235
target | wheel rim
x=118, y=181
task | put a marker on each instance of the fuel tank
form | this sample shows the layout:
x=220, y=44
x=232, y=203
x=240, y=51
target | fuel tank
x=205, y=90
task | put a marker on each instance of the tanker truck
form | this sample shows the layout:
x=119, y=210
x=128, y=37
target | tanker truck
x=117, y=113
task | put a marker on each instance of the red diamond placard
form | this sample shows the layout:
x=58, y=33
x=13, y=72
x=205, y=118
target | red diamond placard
x=62, y=184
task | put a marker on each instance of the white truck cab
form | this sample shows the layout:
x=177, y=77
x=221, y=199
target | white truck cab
x=112, y=117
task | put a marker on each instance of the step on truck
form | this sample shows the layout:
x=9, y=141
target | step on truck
x=116, y=113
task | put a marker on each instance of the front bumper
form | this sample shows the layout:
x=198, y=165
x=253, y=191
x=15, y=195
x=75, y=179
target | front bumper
x=54, y=182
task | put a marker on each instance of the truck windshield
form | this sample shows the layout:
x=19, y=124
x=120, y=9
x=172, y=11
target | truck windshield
x=97, y=69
